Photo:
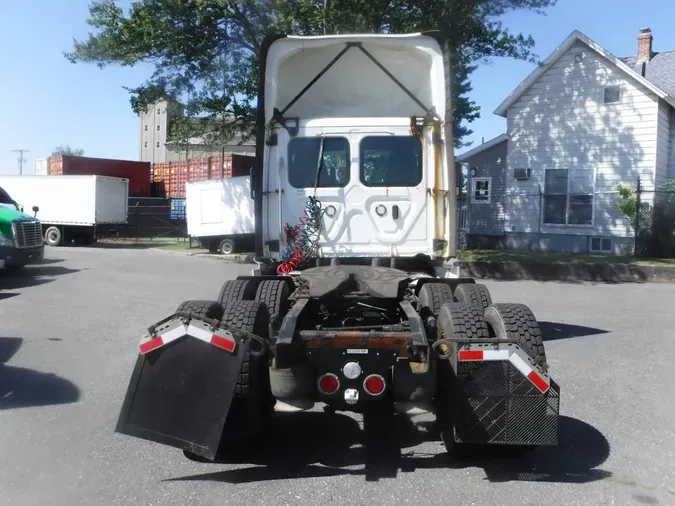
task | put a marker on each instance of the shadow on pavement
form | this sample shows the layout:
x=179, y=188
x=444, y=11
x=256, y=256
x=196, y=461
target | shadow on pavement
x=32, y=275
x=21, y=387
x=554, y=331
x=310, y=445
x=49, y=261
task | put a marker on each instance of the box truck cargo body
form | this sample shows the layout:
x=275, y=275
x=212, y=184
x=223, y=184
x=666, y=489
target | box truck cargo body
x=219, y=212
x=71, y=207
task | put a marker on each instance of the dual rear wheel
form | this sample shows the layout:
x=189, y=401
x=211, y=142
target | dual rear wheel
x=469, y=313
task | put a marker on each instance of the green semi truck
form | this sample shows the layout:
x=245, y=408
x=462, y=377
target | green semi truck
x=21, y=241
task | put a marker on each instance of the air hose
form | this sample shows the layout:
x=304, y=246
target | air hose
x=302, y=240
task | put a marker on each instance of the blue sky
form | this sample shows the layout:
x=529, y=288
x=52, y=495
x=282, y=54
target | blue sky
x=48, y=101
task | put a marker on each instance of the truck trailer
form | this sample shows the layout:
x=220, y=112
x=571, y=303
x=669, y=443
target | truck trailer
x=356, y=301
x=71, y=207
x=219, y=213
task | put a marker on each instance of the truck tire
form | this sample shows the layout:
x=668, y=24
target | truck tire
x=275, y=296
x=227, y=246
x=433, y=296
x=455, y=320
x=53, y=236
x=205, y=308
x=236, y=289
x=253, y=403
x=516, y=321
x=474, y=294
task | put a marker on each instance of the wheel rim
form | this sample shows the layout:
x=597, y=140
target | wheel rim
x=226, y=248
x=52, y=236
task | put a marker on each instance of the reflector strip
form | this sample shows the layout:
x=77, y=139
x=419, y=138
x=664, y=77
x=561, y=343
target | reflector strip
x=471, y=355
x=522, y=366
x=149, y=344
x=466, y=355
x=538, y=381
x=225, y=342
x=222, y=342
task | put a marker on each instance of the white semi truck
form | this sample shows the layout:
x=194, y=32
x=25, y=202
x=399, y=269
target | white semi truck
x=71, y=207
x=356, y=301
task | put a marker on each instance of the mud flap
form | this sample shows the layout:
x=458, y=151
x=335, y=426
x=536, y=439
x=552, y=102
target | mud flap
x=502, y=397
x=182, y=386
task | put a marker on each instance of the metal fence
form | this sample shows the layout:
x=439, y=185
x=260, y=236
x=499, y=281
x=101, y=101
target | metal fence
x=631, y=220
x=537, y=221
x=652, y=215
x=150, y=218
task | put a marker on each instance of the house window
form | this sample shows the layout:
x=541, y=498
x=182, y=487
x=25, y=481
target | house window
x=146, y=128
x=612, y=94
x=482, y=189
x=146, y=144
x=601, y=245
x=158, y=128
x=157, y=143
x=568, y=197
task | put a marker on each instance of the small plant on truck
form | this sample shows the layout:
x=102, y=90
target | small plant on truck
x=356, y=301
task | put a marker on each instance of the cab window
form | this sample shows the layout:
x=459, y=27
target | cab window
x=303, y=157
x=391, y=160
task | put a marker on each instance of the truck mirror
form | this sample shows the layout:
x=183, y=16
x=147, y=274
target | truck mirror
x=35, y=210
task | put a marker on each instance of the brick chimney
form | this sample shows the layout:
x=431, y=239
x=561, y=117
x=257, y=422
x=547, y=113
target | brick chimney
x=645, y=45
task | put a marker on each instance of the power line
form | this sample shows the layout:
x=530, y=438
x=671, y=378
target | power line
x=21, y=158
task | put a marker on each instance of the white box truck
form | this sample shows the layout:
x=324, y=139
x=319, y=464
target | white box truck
x=71, y=207
x=219, y=212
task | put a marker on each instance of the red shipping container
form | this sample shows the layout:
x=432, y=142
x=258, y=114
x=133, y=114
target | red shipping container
x=138, y=173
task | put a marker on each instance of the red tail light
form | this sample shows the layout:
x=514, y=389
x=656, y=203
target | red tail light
x=329, y=383
x=374, y=384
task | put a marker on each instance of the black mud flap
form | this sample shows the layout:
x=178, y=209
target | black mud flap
x=501, y=397
x=180, y=393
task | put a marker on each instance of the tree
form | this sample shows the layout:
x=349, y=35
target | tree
x=209, y=49
x=67, y=151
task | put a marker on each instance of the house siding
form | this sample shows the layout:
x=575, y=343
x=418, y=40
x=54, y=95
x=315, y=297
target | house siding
x=561, y=121
x=487, y=218
x=663, y=148
x=671, y=146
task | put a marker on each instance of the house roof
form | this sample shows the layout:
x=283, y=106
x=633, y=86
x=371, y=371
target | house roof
x=660, y=70
x=478, y=149
x=575, y=36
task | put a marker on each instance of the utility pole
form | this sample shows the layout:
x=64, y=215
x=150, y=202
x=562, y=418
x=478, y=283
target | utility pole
x=21, y=158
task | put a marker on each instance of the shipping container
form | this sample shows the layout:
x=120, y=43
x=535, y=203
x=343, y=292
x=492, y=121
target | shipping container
x=169, y=179
x=71, y=207
x=138, y=173
x=42, y=167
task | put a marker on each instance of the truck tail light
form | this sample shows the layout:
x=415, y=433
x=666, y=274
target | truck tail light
x=374, y=384
x=329, y=383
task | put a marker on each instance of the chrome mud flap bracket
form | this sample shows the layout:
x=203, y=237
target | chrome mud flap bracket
x=503, y=397
x=183, y=383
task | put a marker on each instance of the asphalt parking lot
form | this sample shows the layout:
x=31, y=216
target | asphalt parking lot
x=68, y=344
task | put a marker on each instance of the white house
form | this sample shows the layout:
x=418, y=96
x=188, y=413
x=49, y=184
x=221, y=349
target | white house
x=577, y=126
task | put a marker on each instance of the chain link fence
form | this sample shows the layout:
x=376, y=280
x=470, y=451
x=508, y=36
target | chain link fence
x=575, y=223
x=652, y=215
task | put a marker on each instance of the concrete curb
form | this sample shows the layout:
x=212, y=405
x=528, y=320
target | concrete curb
x=236, y=258
x=570, y=272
